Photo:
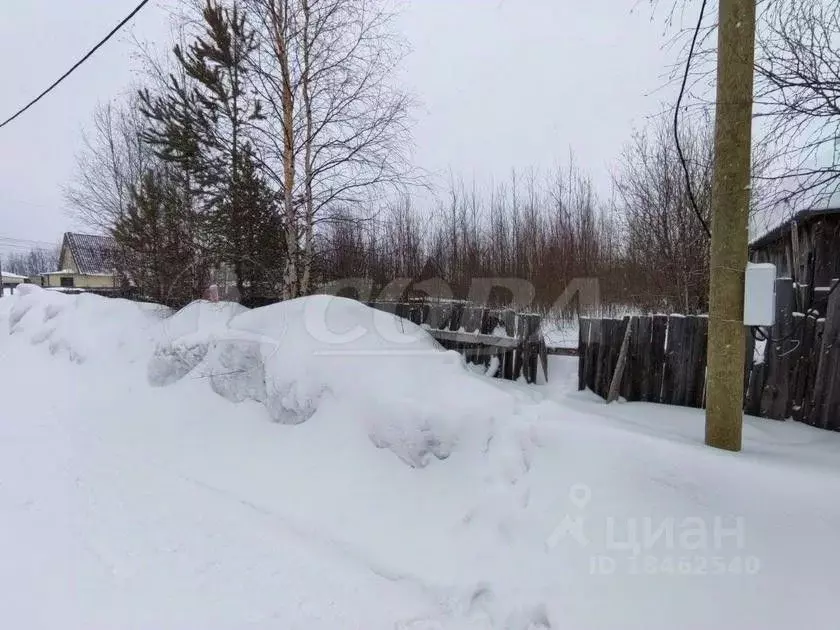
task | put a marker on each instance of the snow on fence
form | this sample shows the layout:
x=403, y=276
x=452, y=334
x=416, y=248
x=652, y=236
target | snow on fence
x=509, y=344
x=662, y=359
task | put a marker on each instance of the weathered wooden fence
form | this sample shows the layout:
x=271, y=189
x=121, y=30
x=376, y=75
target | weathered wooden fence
x=794, y=375
x=665, y=358
x=798, y=376
x=510, y=344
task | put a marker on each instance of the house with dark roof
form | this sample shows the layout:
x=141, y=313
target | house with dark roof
x=806, y=248
x=86, y=262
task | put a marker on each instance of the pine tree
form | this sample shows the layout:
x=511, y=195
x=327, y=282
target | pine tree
x=249, y=233
x=160, y=257
x=201, y=122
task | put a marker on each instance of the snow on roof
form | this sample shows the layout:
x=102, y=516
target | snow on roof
x=12, y=276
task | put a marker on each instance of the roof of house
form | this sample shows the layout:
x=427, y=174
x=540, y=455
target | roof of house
x=801, y=217
x=12, y=276
x=92, y=253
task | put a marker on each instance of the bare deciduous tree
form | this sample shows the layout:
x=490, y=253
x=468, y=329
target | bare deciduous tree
x=547, y=229
x=798, y=96
x=797, y=88
x=336, y=130
x=112, y=161
x=35, y=261
x=667, y=245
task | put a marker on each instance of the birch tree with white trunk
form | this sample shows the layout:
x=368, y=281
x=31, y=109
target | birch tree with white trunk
x=336, y=129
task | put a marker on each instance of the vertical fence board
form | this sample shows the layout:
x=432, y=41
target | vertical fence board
x=607, y=369
x=684, y=360
x=808, y=413
x=802, y=371
x=749, y=359
x=518, y=355
x=826, y=404
x=529, y=349
x=583, y=351
x=607, y=357
x=620, y=328
x=659, y=333
x=755, y=387
x=696, y=362
x=602, y=347
x=489, y=323
x=673, y=357
x=644, y=353
x=632, y=372
x=595, y=332
x=508, y=317
x=537, y=348
x=774, y=401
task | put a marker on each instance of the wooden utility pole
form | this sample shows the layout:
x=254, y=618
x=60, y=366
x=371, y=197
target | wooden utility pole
x=730, y=240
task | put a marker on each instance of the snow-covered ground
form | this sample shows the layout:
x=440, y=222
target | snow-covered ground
x=318, y=465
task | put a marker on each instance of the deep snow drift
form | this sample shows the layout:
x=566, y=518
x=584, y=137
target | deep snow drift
x=318, y=464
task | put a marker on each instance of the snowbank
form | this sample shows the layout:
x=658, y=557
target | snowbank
x=184, y=339
x=414, y=398
x=84, y=327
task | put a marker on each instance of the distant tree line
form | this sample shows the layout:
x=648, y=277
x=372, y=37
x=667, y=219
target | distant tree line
x=270, y=151
x=30, y=263
x=645, y=246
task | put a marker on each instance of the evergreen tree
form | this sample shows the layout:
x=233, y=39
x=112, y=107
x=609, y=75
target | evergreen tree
x=249, y=233
x=201, y=122
x=160, y=257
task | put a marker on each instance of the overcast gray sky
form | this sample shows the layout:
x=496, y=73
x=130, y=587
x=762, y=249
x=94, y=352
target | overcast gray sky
x=502, y=83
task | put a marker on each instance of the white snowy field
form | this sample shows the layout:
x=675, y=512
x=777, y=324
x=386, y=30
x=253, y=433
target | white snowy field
x=318, y=465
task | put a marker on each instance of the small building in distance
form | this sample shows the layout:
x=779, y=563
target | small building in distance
x=10, y=281
x=87, y=262
x=807, y=249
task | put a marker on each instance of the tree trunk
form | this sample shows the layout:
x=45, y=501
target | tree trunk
x=309, y=211
x=281, y=34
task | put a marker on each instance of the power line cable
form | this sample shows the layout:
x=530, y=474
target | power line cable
x=23, y=240
x=76, y=65
x=689, y=188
